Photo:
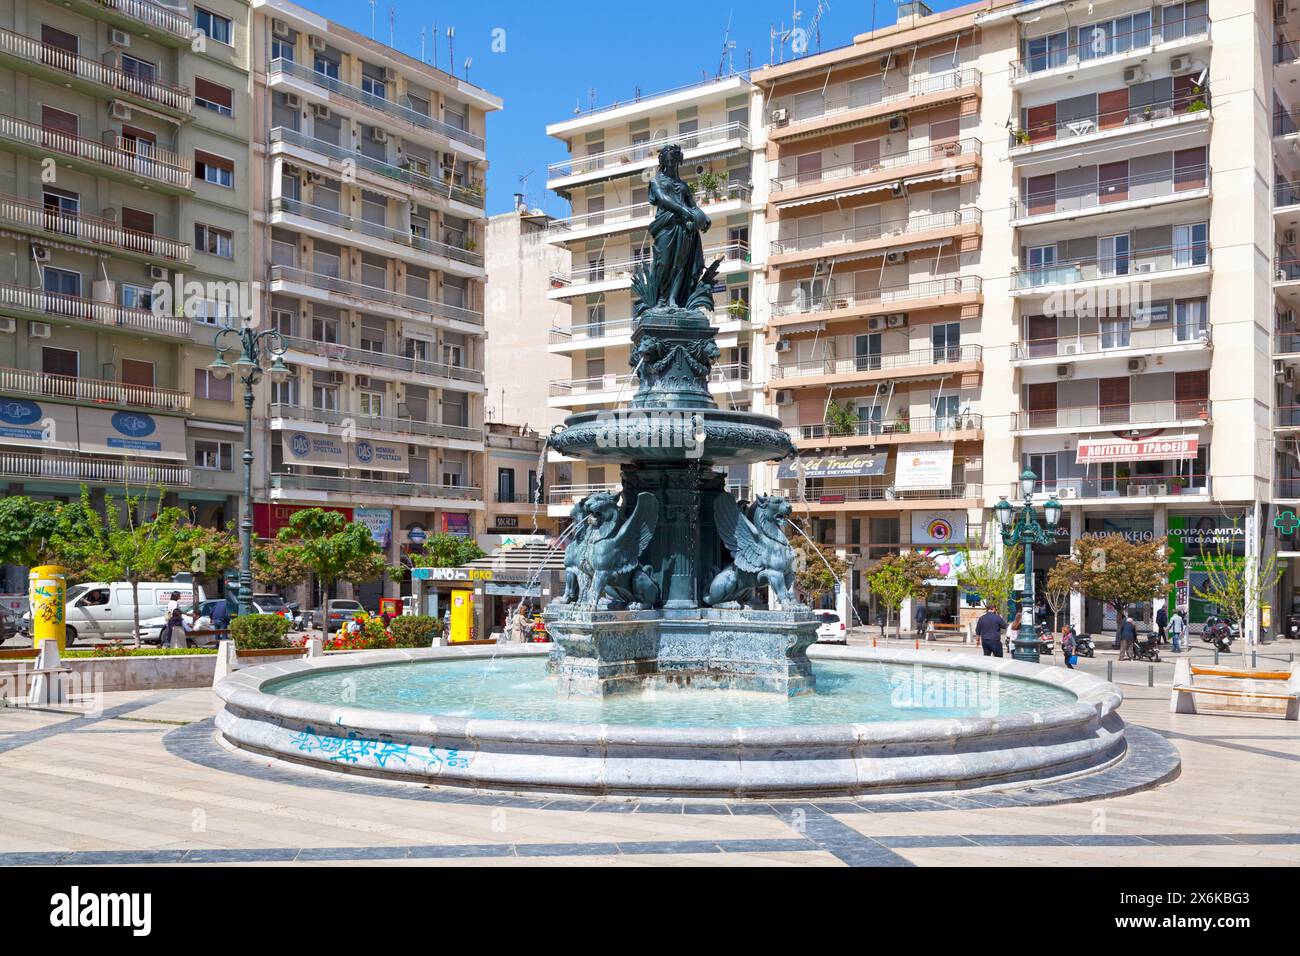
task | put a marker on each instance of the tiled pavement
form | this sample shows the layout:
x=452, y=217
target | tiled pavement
x=147, y=783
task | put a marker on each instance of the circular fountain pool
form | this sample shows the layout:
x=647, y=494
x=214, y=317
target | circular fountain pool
x=489, y=717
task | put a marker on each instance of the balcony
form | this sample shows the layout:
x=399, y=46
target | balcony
x=931, y=293
x=924, y=361
x=60, y=67
x=390, y=242
x=884, y=172
x=1112, y=49
x=1288, y=417
x=627, y=217
x=571, y=494
x=1174, y=412
x=1141, y=265
x=618, y=274
x=851, y=497
x=38, y=220
x=1286, y=270
x=1116, y=195
x=1171, y=484
x=963, y=427
x=117, y=157
x=787, y=120
x=285, y=485
x=384, y=425
x=613, y=387
x=441, y=189
x=1101, y=125
x=1286, y=195
x=1286, y=343
x=1286, y=489
x=19, y=381
x=95, y=471
x=630, y=159
x=143, y=17
x=56, y=307
x=880, y=236
x=315, y=284
x=1116, y=341
x=365, y=358
x=280, y=68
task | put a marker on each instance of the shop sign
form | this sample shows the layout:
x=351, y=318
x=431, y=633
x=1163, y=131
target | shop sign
x=923, y=467
x=938, y=527
x=835, y=466
x=1093, y=451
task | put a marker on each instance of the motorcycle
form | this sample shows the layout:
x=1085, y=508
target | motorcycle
x=1220, y=634
x=1083, y=645
x=1147, y=650
x=1046, y=642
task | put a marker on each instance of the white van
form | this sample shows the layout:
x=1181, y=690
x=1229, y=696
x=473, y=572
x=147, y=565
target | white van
x=100, y=611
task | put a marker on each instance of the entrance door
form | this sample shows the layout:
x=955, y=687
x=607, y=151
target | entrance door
x=867, y=352
x=1040, y=123
x=1040, y=194
x=1112, y=182
x=1040, y=404
x=1113, y=401
x=866, y=156
x=1112, y=108
x=1040, y=335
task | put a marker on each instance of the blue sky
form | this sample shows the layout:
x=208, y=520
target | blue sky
x=555, y=53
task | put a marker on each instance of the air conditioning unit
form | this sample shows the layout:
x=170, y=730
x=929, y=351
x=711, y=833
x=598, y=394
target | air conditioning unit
x=785, y=396
x=1064, y=371
x=1288, y=237
x=38, y=330
x=1072, y=348
x=1180, y=64
x=1159, y=490
x=1137, y=365
x=7, y=326
x=119, y=111
x=158, y=273
x=390, y=75
x=279, y=28
x=378, y=135
x=897, y=123
x=293, y=101
x=363, y=381
x=895, y=257
x=783, y=345
x=1136, y=491
x=318, y=44
x=1144, y=267
x=896, y=320
x=876, y=323
x=780, y=117
x=119, y=38
x=336, y=378
x=1279, y=11
x=1134, y=75
x=898, y=190
x=320, y=111
x=41, y=253
x=1067, y=491
x=888, y=62
x=882, y=389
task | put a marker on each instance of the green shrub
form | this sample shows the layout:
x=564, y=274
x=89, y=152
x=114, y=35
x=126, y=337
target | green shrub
x=256, y=631
x=414, y=630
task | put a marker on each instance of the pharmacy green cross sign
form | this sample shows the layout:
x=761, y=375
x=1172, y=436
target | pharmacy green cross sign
x=1286, y=522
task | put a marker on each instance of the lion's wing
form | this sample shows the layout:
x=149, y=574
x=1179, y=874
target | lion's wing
x=634, y=537
x=738, y=532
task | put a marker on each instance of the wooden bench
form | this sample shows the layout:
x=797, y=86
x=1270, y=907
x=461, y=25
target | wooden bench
x=1259, y=693
x=937, y=631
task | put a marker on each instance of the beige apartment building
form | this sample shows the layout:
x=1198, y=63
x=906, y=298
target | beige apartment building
x=369, y=204
x=124, y=166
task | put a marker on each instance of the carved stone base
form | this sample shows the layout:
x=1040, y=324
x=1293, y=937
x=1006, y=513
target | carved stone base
x=599, y=653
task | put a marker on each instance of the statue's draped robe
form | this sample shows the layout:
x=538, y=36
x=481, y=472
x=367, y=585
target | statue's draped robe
x=678, y=249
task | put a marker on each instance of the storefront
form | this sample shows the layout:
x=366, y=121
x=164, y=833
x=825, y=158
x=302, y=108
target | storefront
x=942, y=536
x=1192, y=539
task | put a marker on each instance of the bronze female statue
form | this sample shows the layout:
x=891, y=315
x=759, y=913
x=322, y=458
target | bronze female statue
x=678, y=223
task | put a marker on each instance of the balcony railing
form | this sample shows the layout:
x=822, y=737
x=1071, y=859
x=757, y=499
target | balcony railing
x=95, y=470
x=517, y=498
x=1097, y=195
x=397, y=363
x=1286, y=194
x=23, y=214
x=916, y=86
x=158, y=165
x=624, y=268
x=1286, y=343
x=92, y=71
x=1099, y=121
x=20, y=381
x=872, y=298
x=1134, y=265
x=1288, y=488
x=1286, y=270
x=399, y=426
x=54, y=305
x=1288, y=416
x=472, y=196
x=375, y=230
x=878, y=230
x=591, y=330
x=175, y=21
x=1110, y=44
x=733, y=372
x=640, y=97
x=883, y=490
x=829, y=174
x=1286, y=51
x=370, y=293
x=639, y=152
x=567, y=494
x=916, y=358
x=370, y=486
x=872, y=428
x=727, y=192
x=405, y=113
x=1095, y=416
x=1127, y=486
x=1112, y=338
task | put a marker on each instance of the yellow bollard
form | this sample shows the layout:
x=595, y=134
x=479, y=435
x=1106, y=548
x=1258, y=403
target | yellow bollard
x=47, y=594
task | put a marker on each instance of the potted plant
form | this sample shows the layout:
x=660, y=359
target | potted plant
x=1176, y=485
x=710, y=185
x=1021, y=136
x=738, y=309
x=1147, y=113
x=840, y=419
x=1198, y=100
x=904, y=424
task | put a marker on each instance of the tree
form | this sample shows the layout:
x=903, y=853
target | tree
x=212, y=551
x=991, y=575
x=1060, y=585
x=447, y=551
x=1118, y=572
x=813, y=578
x=897, y=577
x=280, y=566
x=332, y=547
x=35, y=532
x=1236, y=587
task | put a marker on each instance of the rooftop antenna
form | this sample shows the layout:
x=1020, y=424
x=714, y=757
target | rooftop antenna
x=814, y=26
x=451, y=48
x=433, y=43
x=591, y=98
x=728, y=45
x=469, y=61
x=523, y=185
x=392, y=24
x=372, y=19
x=423, y=58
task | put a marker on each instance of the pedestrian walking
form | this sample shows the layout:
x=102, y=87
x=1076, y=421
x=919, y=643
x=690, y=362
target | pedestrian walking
x=1176, y=627
x=1068, y=647
x=920, y=617
x=989, y=628
x=1127, y=636
x=1162, y=620
x=1013, y=634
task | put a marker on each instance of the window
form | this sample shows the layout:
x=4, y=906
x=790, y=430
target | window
x=324, y=391
x=136, y=296
x=214, y=241
x=282, y=49
x=1191, y=244
x=1113, y=255
x=1044, y=466
x=323, y=64
x=1044, y=53
x=213, y=96
x=283, y=321
x=372, y=81
x=138, y=373
x=286, y=392
x=61, y=281
x=945, y=338
x=505, y=485
x=212, y=312
x=1190, y=319
x=214, y=169
x=210, y=387
x=417, y=349
x=456, y=115
x=213, y=24
x=324, y=329
x=138, y=69
x=66, y=362
x=214, y=455
x=372, y=404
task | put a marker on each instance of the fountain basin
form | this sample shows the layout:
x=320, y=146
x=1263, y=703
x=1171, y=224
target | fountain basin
x=1075, y=728
x=651, y=434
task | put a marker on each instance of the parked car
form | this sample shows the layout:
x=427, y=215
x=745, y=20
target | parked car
x=339, y=611
x=272, y=604
x=830, y=629
x=105, y=611
x=151, y=631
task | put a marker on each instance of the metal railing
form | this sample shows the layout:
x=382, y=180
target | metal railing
x=370, y=293
x=400, y=426
x=1286, y=51
x=1132, y=413
x=915, y=157
x=1126, y=486
x=916, y=86
x=591, y=330
x=732, y=372
x=371, y=486
x=567, y=494
x=338, y=220
x=1105, y=44
x=640, y=152
x=871, y=428
x=386, y=360
x=356, y=94
x=174, y=21
x=1112, y=338
x=1286, y=194
x=24, y=214
x=624, y=268
x=55, y=305
x=1288, y=416
x=916, y=358
x=1288, y=488
x=156, y=164
x=1136, y=265
x=1286, y=270
x=21, y=381
x=517, y=498
x=640, y=97
x=70, y=468
x=1286, y=343
x=92, y=71
x=644, y=210
x=837, y=301
x=1098, y=194
x=1099, y=121
x=884, y=491
x=876, y=230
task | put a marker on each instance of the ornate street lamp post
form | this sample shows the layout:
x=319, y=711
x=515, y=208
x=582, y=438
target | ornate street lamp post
x=256, y=349
x=1020, y=526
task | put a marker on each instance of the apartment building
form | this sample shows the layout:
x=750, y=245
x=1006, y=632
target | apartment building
x=123, y=170
x=369, y=200
x=613, y=154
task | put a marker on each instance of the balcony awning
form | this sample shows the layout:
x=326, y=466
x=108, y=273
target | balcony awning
x=862, y=190
x=818, y=326
x=876, y=253
x=1093, y=451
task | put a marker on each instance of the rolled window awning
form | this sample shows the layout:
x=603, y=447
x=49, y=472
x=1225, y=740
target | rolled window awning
x=37, y=424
